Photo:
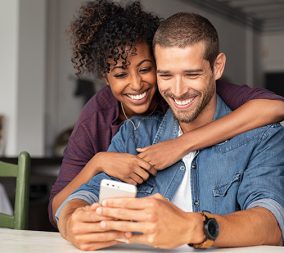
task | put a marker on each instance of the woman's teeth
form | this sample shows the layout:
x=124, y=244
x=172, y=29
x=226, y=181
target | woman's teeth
x=183, y=102
x=137, y=97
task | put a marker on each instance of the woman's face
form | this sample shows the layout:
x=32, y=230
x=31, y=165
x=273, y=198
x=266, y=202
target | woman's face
x=135, y=85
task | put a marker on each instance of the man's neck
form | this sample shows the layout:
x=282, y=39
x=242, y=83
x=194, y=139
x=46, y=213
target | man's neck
x=205, y=117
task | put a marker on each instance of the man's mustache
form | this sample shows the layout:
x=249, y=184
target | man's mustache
x=186, y=95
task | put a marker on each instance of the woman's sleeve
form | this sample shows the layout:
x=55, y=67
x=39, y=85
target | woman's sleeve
x=236, y=95
x=77, y=153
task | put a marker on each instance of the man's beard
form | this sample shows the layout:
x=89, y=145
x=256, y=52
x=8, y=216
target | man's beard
x=187, y=116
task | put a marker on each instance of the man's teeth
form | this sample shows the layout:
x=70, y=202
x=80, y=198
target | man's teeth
x=183, y=102
x=137, y=97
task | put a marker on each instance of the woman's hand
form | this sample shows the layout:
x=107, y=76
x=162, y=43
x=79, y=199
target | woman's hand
x=126, y=167
x=163, y=154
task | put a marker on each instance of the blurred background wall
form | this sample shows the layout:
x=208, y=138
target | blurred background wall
x=37, y=83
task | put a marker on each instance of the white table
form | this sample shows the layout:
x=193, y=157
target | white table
x=24, y=241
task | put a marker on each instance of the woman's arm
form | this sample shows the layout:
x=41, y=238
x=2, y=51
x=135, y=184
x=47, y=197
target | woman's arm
x=78, y=165
x=252, y=114
x=236, y=95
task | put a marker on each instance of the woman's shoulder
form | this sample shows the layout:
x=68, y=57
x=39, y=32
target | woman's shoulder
x=103, y=102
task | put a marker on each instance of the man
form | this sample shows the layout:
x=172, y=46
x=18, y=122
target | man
x=240, y=182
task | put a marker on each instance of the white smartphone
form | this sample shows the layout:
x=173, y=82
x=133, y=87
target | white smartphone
x=113, y=189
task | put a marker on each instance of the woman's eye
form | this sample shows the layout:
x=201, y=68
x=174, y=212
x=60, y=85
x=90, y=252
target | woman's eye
x=145, y=70
x=120, y=75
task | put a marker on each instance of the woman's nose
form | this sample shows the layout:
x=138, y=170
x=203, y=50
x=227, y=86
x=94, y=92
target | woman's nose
x=136, y=83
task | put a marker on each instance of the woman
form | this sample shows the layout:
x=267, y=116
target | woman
x=115, y=42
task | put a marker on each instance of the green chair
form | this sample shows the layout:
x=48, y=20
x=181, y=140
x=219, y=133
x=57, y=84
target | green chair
x=22, y=173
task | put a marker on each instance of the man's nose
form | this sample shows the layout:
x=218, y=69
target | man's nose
x=178, y=86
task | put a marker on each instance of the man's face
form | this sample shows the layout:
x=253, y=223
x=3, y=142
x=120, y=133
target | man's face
x=185, y=80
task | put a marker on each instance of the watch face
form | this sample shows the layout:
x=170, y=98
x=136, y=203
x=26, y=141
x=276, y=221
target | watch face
x=212, y=229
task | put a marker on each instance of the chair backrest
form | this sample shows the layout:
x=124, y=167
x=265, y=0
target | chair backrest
x=22, y=173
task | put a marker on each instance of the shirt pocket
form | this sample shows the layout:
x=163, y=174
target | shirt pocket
x=145, y=189
x=222, y=189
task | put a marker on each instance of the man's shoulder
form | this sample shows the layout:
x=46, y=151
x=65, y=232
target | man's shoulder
x=273, y=133
x=264, y=131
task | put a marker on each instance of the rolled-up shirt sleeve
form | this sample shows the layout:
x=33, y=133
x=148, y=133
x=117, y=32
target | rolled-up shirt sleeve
x=263, y=179
x=275, y=208
x=88, y=192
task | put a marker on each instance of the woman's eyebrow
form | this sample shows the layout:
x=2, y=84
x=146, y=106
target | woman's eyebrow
x=139, y=64
x=117, y=67
x=146, y=60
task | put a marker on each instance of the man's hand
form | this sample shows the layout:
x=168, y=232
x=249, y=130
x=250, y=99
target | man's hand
x=81, y=226
x=160, y=223
x=126, y=167
x=163, y=154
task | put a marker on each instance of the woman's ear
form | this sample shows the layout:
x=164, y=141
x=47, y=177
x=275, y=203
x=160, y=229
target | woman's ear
x=219, y=65
x=106, y=80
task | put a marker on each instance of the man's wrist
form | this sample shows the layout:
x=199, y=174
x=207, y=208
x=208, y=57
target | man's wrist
x=62, y=225
x=210, y=232
x=195, y=233
x=66, y=215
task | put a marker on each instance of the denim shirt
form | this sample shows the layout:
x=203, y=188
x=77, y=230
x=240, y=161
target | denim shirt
x=240, y=173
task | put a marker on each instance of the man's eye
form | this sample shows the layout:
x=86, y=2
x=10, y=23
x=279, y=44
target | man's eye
x=165, y=76
x=192, y=75
x=120, y=75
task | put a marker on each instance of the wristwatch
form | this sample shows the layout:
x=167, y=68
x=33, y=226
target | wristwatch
x=211, y=231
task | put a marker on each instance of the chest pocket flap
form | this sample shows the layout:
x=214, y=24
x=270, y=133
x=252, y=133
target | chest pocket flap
x=221, y=190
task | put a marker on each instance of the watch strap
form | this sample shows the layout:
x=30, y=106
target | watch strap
x=207, y=243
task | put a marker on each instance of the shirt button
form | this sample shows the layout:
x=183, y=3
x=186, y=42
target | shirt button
x=182, y=168
x=196, y=203
x=193, y=166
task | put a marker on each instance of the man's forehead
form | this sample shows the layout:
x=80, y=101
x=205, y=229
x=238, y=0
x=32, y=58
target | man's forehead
x=200, y=44
x=169, y=54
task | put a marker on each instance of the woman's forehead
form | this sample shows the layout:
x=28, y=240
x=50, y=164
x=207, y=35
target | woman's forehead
x=127, y=55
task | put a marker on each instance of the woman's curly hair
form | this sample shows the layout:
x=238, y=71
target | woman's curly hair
x=105, y=32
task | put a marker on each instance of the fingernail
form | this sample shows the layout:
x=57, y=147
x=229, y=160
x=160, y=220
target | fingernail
x=103, y=224
x=104, y=203
x=95, y=205
x=99, y=210
x=128, y=234
x=122, y=240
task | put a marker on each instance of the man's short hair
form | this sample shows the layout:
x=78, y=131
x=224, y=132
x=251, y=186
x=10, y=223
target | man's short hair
x=185, y=29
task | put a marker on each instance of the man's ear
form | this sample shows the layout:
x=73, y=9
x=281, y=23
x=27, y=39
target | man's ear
x=219, y=65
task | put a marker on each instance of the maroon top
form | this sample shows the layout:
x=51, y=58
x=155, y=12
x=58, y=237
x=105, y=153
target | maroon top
x=98, y=123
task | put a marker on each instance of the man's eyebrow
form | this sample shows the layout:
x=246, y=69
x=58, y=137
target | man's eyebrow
x=193, y=71
x=190, y=71
x=163, y=71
